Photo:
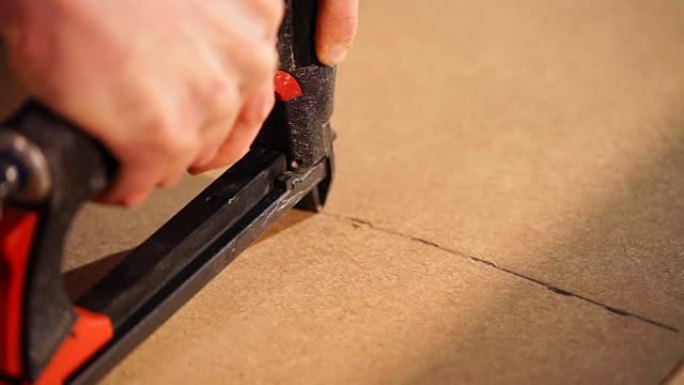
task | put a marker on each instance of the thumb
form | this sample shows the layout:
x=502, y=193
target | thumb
x=336, y=28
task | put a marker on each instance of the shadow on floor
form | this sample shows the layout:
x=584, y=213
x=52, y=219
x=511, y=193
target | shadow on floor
x=80, y=279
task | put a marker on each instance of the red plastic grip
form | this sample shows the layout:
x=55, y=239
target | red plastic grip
x=89, y=334
x=17, y=230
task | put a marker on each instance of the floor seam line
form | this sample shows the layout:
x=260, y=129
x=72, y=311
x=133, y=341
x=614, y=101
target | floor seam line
x=548, y=286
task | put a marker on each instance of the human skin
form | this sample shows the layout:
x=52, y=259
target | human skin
x=169, y=86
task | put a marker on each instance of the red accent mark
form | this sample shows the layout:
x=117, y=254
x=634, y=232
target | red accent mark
x=89, y=334
x=17, y=229
x=286, y=86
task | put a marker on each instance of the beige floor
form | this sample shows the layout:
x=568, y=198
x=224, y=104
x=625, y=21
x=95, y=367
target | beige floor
x=509, y=208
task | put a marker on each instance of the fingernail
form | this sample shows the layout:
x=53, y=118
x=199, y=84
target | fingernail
x=336, y=54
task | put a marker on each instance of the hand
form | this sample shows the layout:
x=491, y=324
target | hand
x=337, y=22
x=167, y=85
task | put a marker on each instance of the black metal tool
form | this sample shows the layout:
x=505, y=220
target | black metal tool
x=48, y=169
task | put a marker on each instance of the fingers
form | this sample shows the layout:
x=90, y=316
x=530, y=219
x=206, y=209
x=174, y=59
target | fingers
x=273, y=10
x=246, y=128
x=133, y=184
x=217, y=132
x=190, y=92
x=336, y=29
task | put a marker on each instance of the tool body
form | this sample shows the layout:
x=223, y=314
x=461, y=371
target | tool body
x=48, y=169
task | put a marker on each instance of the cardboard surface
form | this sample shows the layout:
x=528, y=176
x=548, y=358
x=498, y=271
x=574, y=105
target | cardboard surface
x=508, y=209
x=332, y=301
x=544, y=137
x=677, y=377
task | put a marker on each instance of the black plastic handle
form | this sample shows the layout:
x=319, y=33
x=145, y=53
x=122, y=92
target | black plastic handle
x=78, y=168
x=307, y=137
